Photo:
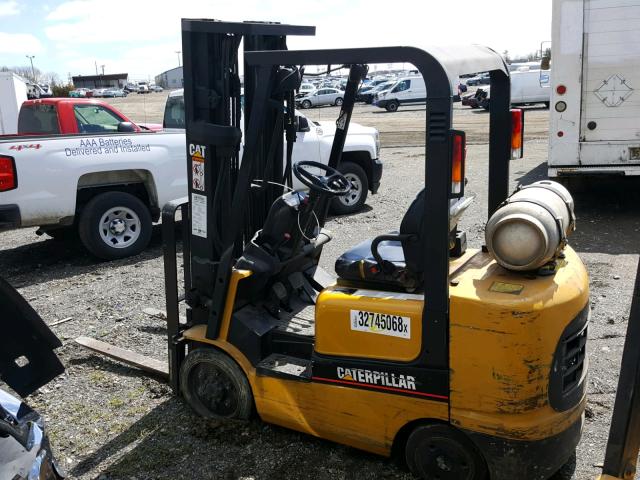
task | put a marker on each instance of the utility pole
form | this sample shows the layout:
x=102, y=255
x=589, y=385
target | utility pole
x=96, y=64
x=102, y=66
x=33, y=71
x=179, y=58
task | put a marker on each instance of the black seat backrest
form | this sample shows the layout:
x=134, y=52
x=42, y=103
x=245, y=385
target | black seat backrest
x=412, y=225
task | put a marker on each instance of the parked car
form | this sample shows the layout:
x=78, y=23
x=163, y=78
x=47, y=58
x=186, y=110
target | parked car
x=306, y=88
x=45, y=90
x=157, y=88
x=114, y=92
x=368, y=96
x=130, y=88
x=481, y=79
x=322, y=96
x=79, y=93
x=99, y=92
x=404, y=91
x=364, y=89
x=143, y=87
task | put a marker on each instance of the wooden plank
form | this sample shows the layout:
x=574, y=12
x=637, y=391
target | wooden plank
x=147, y=364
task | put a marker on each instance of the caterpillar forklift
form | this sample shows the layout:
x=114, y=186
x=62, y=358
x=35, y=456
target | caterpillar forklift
x=468, y=362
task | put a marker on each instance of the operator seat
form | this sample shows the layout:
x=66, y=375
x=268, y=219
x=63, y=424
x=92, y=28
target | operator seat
x=401, y=264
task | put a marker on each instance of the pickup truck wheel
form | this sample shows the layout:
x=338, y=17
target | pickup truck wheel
x=354, y=200
x=115, y=225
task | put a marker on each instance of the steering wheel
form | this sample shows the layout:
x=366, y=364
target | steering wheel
x=331, y=183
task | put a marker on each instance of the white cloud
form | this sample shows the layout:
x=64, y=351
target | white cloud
x=9, y=8
x=19, y=42
x=143, y=37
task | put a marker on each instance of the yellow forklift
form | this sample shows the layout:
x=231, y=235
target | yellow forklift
x=468, y=362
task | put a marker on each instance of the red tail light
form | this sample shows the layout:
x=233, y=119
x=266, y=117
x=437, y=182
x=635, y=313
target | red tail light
x=8, y=178
x=458, y=153
x=517, y=133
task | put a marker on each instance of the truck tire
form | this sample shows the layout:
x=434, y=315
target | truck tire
x=353, y=201
x=392, y=106
x=115, y=225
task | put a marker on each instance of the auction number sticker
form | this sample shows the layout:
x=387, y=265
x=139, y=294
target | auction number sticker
x=381, y=323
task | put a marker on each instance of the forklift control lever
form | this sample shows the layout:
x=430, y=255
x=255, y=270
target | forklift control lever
x=332, y=183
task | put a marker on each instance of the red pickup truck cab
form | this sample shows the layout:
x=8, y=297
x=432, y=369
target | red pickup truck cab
x=51, y=116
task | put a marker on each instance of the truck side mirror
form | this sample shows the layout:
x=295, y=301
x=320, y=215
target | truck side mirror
x=126, y=127
x=303, y=124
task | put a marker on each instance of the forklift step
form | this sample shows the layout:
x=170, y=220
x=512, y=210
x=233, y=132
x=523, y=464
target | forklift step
x=285, y=367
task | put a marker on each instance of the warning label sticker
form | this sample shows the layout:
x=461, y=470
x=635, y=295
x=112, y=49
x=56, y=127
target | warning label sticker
x=199, y=215
x=197, y=166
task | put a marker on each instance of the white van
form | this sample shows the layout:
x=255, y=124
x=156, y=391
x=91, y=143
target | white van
x=530, y=86
x=406, y=90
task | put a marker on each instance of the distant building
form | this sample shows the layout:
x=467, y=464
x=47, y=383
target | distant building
x=171, y=78
x=114, y=80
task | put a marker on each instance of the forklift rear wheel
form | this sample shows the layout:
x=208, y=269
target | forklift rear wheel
x=441, y=452
x=215, y=386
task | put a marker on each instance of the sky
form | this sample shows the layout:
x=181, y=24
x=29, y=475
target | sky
x=141, y=37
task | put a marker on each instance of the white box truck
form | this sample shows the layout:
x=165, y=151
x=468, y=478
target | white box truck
x=594, y=126
x=13, y=91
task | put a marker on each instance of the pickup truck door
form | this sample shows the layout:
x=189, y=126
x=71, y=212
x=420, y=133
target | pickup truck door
x=306, y=146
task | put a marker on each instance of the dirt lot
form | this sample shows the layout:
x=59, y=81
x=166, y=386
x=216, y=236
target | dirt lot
x=109, y=421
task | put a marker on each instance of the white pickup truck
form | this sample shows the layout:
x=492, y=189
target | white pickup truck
x=110, y=187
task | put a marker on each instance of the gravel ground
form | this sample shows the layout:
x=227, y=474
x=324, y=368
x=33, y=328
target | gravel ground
x=109, y=421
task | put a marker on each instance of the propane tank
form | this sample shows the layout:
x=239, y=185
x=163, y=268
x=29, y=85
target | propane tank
x=531, y=227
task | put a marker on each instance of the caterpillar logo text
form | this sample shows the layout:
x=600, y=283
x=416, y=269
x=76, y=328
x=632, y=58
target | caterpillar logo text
x=371, y=377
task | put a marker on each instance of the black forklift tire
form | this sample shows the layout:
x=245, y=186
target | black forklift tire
x=338, y=102
x=350, y=204
x=306, y=104
x=207, y=371
x=132, y=241
x=439, y=451
x=392, y=106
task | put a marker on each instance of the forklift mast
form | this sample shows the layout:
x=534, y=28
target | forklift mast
x=213, y=113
